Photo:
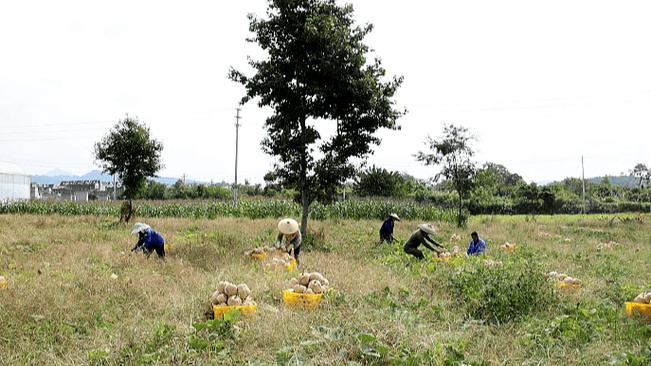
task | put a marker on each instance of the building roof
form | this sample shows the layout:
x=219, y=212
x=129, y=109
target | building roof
x=9, y=168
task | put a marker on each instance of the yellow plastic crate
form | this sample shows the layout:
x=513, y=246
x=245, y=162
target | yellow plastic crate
x=220, y=310
x=302, y=301
x=288, y=267
x=439, y=259
x=3, y=284
x=168, y=247
x=259, y=256
x=642, y=309
x=565, y=285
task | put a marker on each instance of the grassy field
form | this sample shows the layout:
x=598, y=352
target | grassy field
x=63, y=306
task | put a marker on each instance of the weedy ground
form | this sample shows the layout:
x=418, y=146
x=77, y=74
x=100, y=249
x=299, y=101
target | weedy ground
x=63, y=306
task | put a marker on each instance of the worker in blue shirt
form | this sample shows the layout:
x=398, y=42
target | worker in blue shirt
x=477, y=246
x=148, y=240
x=386, y=231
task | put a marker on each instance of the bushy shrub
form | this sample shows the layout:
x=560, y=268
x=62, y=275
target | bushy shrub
x=500, y=293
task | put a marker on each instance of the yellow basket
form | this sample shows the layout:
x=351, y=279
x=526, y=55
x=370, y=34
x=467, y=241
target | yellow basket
x=565, y=285
x=302, y=301
x=168, y=247
x=642, y=309
x=287, y=267
x=220, y=310
x=439, y=259
x=259, y=256
x=3, y=284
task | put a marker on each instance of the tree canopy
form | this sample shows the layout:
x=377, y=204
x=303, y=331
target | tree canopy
x=129, y=152
x=453, y=153
x=317, y=72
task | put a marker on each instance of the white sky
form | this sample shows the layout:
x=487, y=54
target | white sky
x=539, y=83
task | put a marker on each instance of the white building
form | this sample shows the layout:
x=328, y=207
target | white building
x=14, y=185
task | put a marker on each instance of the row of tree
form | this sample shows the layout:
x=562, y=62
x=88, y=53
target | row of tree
x=317, y=72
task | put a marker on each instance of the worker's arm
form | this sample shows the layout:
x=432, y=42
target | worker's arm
x=427, y=238
x=279, y=240
x=141, y=242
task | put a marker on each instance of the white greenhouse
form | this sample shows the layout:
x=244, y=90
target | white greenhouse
x=14, y=185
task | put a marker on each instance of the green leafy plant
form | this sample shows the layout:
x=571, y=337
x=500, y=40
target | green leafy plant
x=500, y=294
x=212, y=335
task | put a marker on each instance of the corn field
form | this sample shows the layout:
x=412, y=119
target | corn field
x=253, y=209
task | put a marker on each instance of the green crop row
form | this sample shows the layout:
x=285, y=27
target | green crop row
x=253, y=209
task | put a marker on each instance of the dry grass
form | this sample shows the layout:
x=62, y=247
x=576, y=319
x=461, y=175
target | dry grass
x=62, y=306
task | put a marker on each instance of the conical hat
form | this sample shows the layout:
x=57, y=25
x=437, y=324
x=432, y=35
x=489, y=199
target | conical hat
x=288, y=226
x=394, y=216
x=428, y=228
x=139, y=227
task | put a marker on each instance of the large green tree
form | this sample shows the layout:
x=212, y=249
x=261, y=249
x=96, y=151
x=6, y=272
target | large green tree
x=378, y=182
x=453, y=152
x=317, y=72
x=129, y=152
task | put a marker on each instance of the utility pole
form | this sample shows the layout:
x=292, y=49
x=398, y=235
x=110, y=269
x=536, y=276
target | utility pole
x=237, y=141
x=583, y=180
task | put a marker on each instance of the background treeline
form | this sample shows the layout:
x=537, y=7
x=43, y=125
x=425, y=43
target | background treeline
x=498, y=191
x=495, y=191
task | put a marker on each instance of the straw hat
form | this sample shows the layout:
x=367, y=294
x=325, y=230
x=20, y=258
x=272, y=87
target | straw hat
x=395, y=217
x=139, y=227
x=428, y=228
x=288, y=226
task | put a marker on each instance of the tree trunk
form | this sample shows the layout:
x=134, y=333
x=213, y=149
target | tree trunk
x=459, y=211
x=306, y=206
x=130, y=212
x=304, y=189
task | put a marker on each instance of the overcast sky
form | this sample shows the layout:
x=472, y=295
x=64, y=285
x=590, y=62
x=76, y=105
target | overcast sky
x=539, y=83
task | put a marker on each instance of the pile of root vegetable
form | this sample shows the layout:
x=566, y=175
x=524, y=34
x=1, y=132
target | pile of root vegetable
x=492, y=263
x=610, y=245
x=507, y=246
x=562, y=277
x=309, y=283
x=643, y=298
x=445, y=255
x=229, y=294
x=259, y=250
x=277, y=261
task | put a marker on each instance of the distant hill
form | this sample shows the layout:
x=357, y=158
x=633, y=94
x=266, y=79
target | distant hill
x=92, y=175
x=622, y=180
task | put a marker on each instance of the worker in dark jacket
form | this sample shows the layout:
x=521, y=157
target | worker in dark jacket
x=386, y=231
x=148, y=240
x=421, y=236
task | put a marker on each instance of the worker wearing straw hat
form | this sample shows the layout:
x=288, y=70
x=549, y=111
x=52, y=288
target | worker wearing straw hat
x=148, y=240
x=289, y=237
x=386, y=231
x=421, y=236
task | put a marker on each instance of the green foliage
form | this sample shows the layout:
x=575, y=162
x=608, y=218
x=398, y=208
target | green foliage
x=211, y=335
x=317, y=71
x=379, y=182
x=129, y=152
x=500, y=294
x=453, y=152
x=253, y=209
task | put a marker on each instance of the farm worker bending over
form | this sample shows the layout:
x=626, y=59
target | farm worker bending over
x=148, y=240
x=289, y=237
x=421, y=236
x=386, y=231
x=477, y=246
